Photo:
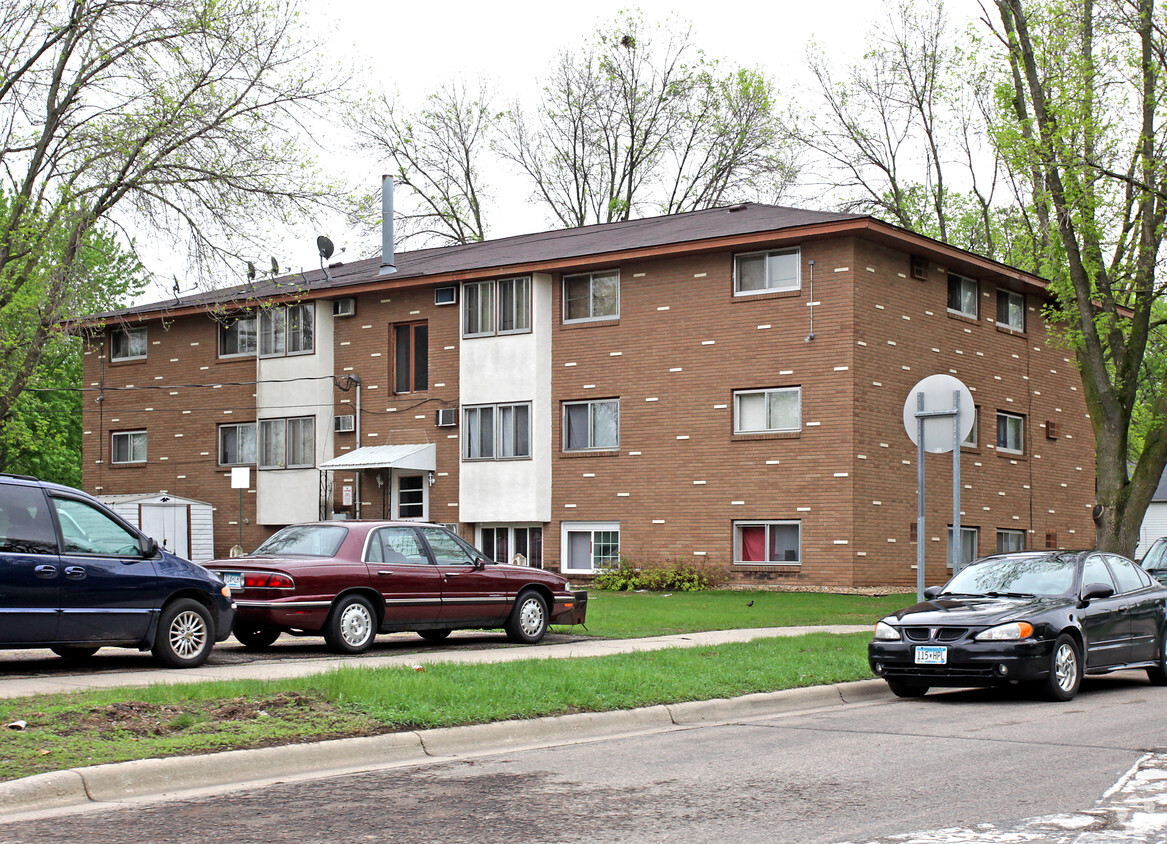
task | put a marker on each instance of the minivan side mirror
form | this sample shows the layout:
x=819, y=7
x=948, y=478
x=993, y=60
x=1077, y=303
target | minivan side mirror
x=149, y=547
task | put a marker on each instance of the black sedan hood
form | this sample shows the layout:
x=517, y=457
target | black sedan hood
x=974, y=612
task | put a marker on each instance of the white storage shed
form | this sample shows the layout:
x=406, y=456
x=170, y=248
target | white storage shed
x=183, y=526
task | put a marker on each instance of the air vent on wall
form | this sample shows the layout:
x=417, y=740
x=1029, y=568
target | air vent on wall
x=344, y=424
x=447, y=417
x=445, y=295
x=1051, y=430
x=344, y=307
x=920, y=267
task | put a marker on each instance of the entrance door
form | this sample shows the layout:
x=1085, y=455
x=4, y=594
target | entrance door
x=410, y=497
x=169, y=524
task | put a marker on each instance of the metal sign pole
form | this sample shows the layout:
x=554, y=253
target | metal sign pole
x=957, y=543
x=919, y=496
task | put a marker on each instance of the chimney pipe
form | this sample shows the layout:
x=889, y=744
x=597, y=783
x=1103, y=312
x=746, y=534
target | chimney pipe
x=388, y=262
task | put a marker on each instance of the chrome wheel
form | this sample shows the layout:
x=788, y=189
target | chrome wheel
x=188, y=634
x=356, y=624
x=1066, y=667
x=351, y=625
x=532, y=617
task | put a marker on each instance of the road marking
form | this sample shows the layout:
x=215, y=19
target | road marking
x=1132, y=811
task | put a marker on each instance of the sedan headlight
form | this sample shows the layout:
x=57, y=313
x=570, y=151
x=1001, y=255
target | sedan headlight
x=1011, y=632
x=884, y=632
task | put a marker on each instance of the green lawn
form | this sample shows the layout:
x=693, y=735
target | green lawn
x=630, y=615
x=90, y=728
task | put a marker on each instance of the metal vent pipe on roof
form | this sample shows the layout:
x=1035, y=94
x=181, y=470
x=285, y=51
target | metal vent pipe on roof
x=388, y=262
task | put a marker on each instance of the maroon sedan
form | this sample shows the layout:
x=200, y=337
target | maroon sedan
x=349, y=581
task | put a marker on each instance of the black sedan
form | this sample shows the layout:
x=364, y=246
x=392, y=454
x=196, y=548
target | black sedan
x=1034, y=617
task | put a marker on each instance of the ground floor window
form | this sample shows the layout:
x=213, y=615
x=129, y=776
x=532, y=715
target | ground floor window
x=768, y=542
x=518, y=544
x=590, y=546
x=968, y=545
x=410, y=496
x=1010, y=540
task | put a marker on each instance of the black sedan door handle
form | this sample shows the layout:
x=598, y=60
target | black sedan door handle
x=75, y=572
x=46, y=571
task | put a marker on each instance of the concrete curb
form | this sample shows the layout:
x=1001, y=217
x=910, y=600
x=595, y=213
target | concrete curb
x=125, y=781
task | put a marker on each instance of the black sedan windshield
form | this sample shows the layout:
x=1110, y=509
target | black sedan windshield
x=1021, y=576
x=309, y=540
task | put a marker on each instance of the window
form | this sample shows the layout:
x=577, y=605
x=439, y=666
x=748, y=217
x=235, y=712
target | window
x=237, y=337
x=129, y=447
x=1095, y=571
x=1010, y=433
x=287, y=443
x=410, y=497
x=968, y=545
x=505, y=303
x=591, y=296
x=591, y=425
x=237, y=444
x=1010, y=310
x=970, y=441
x=590, y=546
x=962, y=295
x=504, y=544
x=87, y=530
x=449, y=550
x=764, y=411
x=1129, y=576
x=767, y=272
x=395, y=545
x=25, y=525
x=1010, y=540
x=286, y=330
x=768, y=542
x=128, y=344
x=411, y=357
x=500, y=431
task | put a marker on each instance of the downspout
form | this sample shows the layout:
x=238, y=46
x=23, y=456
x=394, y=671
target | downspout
x=357, y=473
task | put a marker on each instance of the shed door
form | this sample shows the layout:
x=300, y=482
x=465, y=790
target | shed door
x=169, y=524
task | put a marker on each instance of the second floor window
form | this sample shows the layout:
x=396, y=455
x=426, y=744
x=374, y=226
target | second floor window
x=1010, y=310
x=237, y=338
x=496, y=307
x=767, y=272
x=497, y=432
x=591, y=425
x=962, y=295
x=129, y=447
x=767, y=411
x=1010, y=433
x=591, y=296
x=411, y=357
x=237, y=444
x=287, y=443
x=128, y=344
x=286, y=330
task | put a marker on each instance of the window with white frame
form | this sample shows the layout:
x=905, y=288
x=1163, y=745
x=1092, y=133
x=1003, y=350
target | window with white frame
x=128, y=344
x=287, y=443
x=1010, y=433
x=591, y=296
x=591, y=425
x=237, y=337
x=1010, y=310
x=506, y=543
x=968, y=545
x=767, y=272
x=962, y=295
x=496, y=307
x=589, y=546
x=237, y=444
x=767, y=411
x=286, y=330
x=128, y=447
x=970, y=440
x=768, y=541
x=497, y=431
x=1010, y=540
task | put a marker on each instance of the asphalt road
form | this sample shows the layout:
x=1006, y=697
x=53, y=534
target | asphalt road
x=955, y=766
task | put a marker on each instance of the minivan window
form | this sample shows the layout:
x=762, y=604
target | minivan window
x=88, y=530
x=25, y=525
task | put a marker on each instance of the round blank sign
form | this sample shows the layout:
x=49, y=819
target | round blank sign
x=938, y=390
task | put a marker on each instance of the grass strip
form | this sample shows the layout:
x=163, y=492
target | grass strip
x=116, y=725
x=629, y=615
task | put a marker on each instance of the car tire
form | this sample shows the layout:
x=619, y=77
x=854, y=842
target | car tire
x=185, y=634
x=1158, y=674
x=351, y=626
x=901, y=689
x=528, y=620
x=74, y=653
x=434, y=635
x=1065, y=670
x=256, y=637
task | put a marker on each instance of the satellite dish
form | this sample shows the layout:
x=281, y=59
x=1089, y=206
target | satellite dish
x=325, y=247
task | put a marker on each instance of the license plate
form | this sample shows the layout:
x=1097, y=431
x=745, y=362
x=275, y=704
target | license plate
x=234, y=579
x=931, y=655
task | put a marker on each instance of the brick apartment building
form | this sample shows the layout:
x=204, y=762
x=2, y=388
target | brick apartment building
x=724, y=386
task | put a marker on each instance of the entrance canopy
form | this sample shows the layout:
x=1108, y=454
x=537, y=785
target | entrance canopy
x=422, y=457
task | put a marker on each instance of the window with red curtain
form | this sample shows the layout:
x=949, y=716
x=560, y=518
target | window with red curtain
x=754, y=544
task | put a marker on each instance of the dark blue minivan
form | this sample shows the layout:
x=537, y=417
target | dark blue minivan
x=75, y=577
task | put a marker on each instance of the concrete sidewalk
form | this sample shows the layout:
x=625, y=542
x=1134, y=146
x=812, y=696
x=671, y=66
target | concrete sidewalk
x=124, y=783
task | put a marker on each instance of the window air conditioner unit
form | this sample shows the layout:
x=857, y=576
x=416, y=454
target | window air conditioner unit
x=344, y=307
x=447, y=417
x=445, y=295
x=344, y=424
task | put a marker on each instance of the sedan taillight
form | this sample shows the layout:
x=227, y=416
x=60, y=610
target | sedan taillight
x=263, y=579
